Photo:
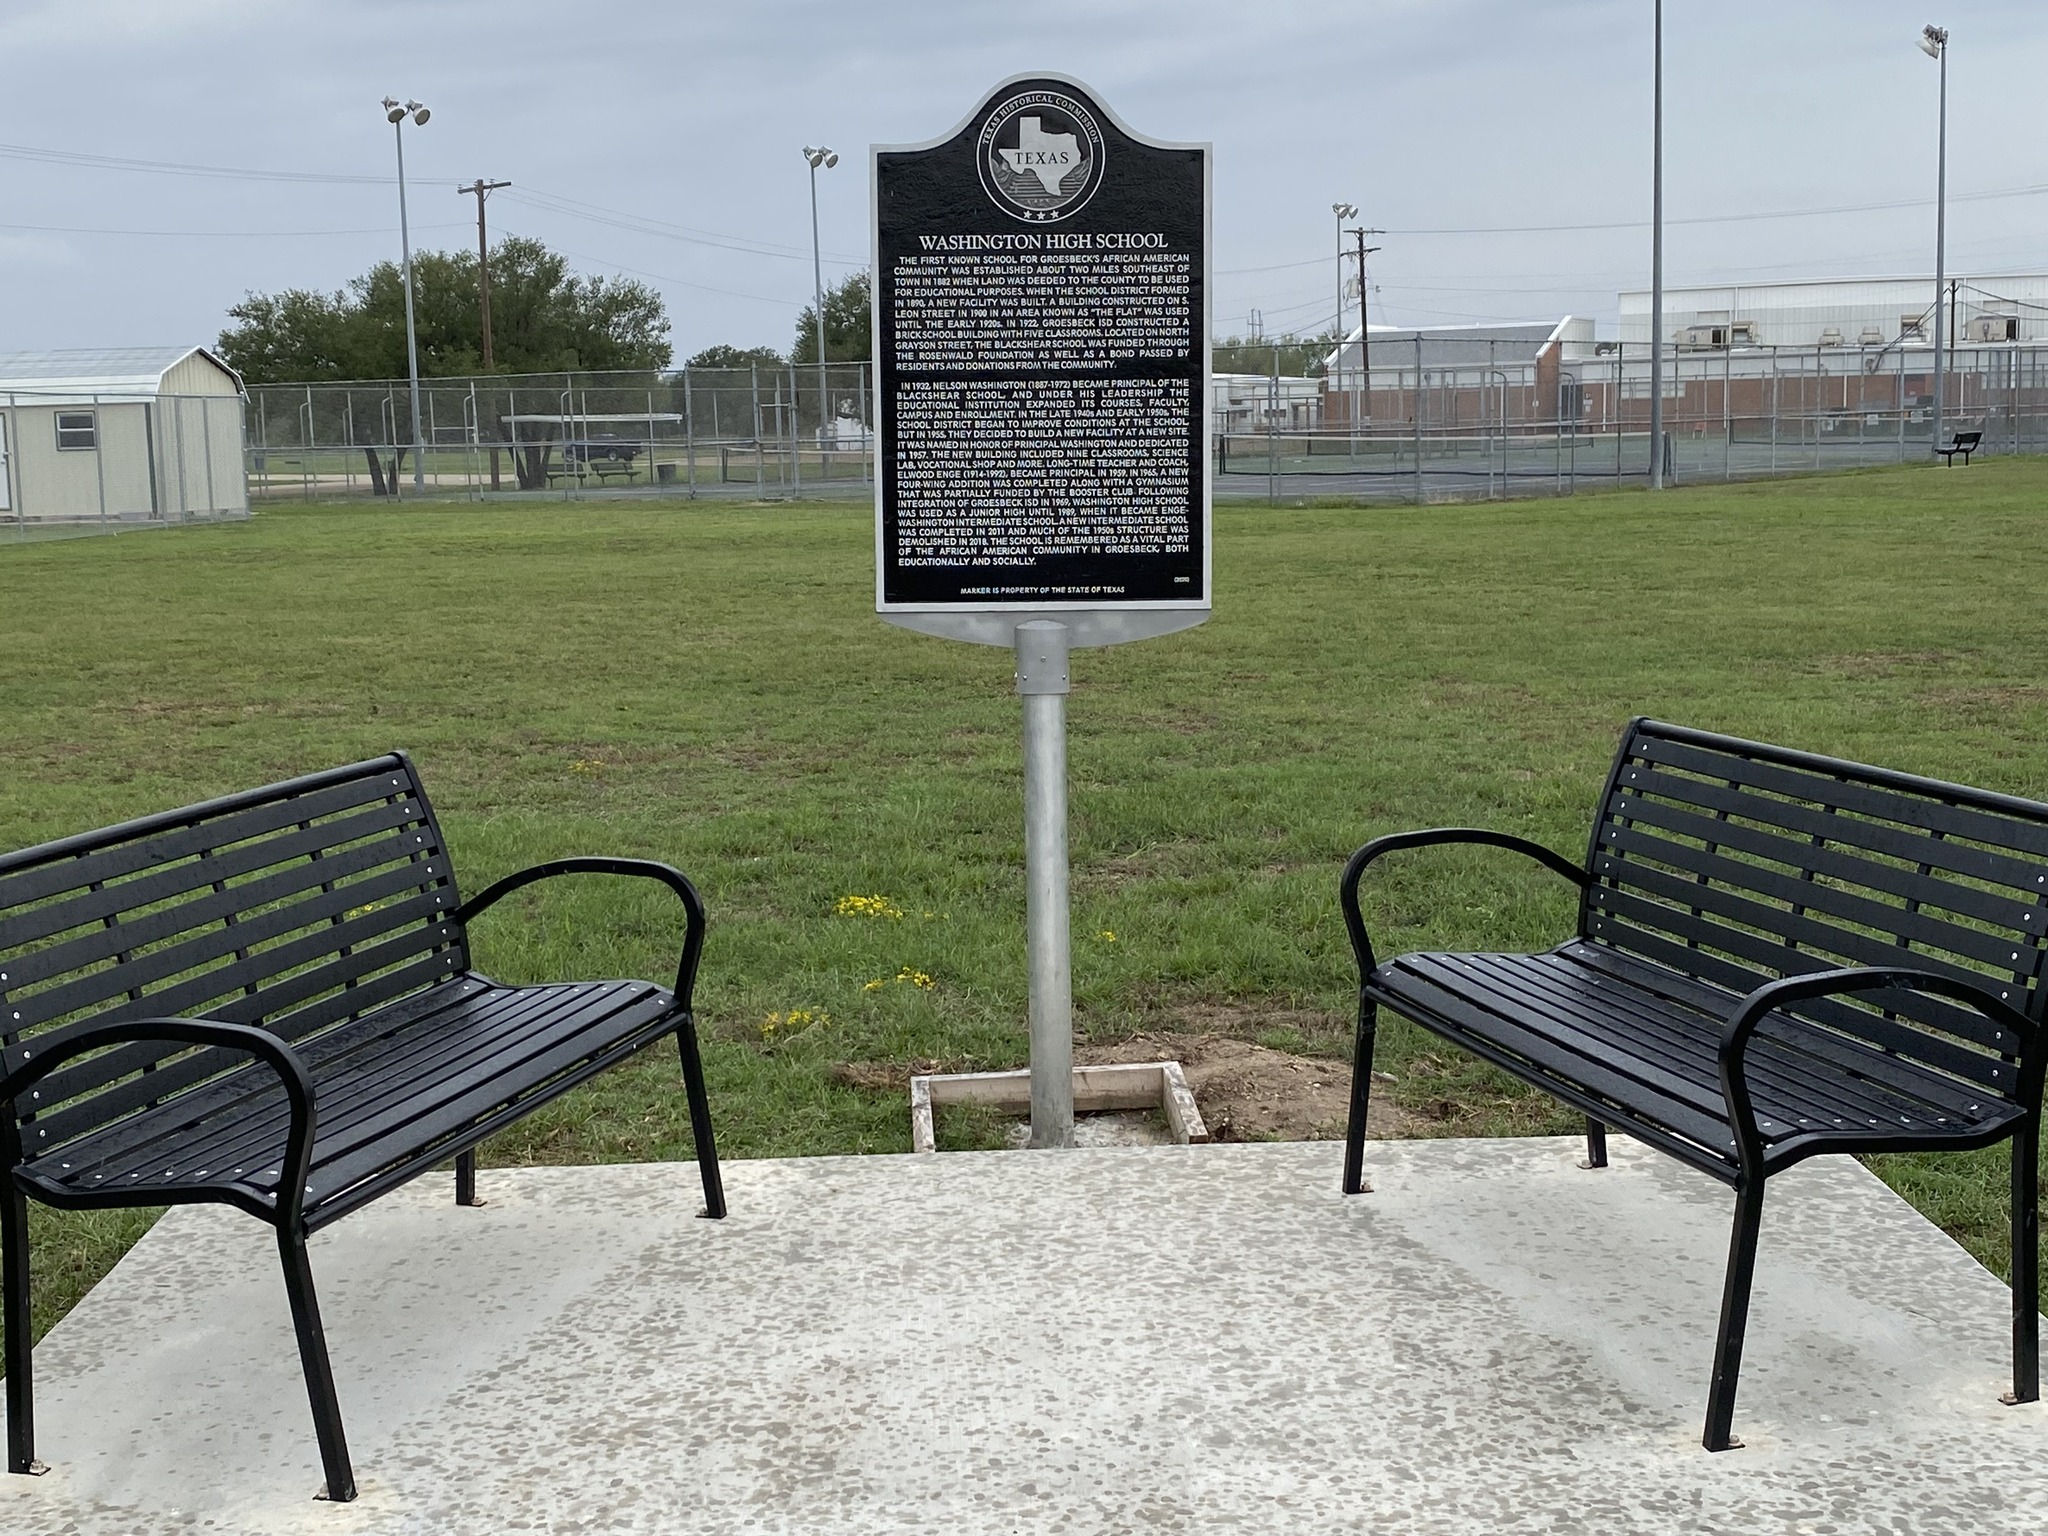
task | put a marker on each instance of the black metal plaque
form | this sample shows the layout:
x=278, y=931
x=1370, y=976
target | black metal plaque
x=1042, y=363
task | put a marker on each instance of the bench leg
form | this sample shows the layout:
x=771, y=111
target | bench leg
x=21, y=1419
x=298, y=1285
x=1361, y=1097
x=1596, y=1144
x=2026, y=1263
x=465, y=1178
x=1749, y=1213
x=700, y=1119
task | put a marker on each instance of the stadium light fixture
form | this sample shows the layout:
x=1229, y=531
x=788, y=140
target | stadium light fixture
x=1934, y=43
x=819, y=158
x=395, y=113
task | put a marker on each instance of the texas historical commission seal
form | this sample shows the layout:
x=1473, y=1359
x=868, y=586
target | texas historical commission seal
x=1041, y=156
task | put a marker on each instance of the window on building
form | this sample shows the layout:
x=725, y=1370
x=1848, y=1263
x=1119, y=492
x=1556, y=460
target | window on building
x=77, y=429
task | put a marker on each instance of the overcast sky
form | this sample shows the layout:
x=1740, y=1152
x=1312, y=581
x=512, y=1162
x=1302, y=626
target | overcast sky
x=660, y=139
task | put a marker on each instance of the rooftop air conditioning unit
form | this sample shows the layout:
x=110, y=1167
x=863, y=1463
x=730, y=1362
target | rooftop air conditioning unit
x=1912, y=327
x=1993, y=328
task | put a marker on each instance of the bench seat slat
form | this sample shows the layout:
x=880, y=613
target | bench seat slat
x=1707, y=1134
x=1606, y=1028
x=375, y=1056
x=1787, y=1082
x=501, y=1045
x=1621, y=1064
x=1820, y=1058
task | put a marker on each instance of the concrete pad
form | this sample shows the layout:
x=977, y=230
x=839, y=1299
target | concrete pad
x=1156, y=1339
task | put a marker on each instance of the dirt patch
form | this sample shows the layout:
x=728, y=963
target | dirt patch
x=1246, y=1092
x=1249, y=1092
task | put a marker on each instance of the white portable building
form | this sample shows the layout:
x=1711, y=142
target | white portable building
x=128, y=435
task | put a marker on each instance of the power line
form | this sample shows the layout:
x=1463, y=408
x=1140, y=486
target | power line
x=1712, y=218
x=640, y=224
x=209, y=234
x=84, y=161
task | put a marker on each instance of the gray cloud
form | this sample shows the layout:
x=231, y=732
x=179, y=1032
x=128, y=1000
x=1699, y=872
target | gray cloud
x=687, y=119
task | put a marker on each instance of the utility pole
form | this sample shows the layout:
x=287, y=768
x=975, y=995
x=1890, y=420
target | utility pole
x=1364, y=335
x=482, y=189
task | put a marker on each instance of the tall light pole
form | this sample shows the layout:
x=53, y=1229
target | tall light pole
x=395, y=113
x=1934, y=43
x=1343, y=211
x=1657, y=261
x=816, y=158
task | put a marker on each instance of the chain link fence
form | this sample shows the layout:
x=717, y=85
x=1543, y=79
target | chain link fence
x=1533, y=421
x=764, y=431
x=1555, y=423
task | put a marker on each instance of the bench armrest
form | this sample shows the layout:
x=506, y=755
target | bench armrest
x=1753, y=1009
x=587, y=864
x=1361, y=944
x=51, y=1051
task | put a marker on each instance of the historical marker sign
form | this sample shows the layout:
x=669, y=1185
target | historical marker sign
x=1042, y=373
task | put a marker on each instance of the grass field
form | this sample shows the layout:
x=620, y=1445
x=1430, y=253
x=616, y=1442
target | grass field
x=709, y=685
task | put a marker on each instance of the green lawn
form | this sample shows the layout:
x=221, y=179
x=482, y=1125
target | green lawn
x=709, y=685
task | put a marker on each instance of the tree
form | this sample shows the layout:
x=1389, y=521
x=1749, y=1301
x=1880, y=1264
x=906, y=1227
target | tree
x=544, y=319
x=1298, y=356
x=723, y=356
x=848, y=335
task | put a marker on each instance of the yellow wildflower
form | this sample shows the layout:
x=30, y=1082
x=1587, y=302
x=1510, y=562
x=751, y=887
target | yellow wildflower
x=867, y=906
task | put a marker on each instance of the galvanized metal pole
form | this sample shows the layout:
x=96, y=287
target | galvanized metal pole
x=1657, y=263
x=1042, y=682
x=412, y=344
x=818, y=293
x=1940, y=249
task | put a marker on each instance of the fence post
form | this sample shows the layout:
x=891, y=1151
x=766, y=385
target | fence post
x=690, y=432
x=796, y=442
x=1418, y=418
x=760, y=469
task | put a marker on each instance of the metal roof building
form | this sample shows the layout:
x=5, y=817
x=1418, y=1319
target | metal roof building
x=1843, y=312
x=120, y=435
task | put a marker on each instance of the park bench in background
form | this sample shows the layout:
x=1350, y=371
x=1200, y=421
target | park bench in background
x=1965, y=443
x=267, y=1000
x=1777, y=955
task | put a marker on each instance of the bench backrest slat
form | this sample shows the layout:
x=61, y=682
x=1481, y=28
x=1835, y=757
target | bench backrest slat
x=294, y=908
x=1735, y=863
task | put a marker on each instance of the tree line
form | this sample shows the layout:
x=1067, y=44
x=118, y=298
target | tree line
x=544, y=319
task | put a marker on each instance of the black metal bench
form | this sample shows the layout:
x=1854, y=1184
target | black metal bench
x=268, y=1000
x=1965, y=443
x=1777, y=955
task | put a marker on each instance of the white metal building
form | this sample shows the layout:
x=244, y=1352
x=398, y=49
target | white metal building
x=1843, y=312
x=130, y=435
